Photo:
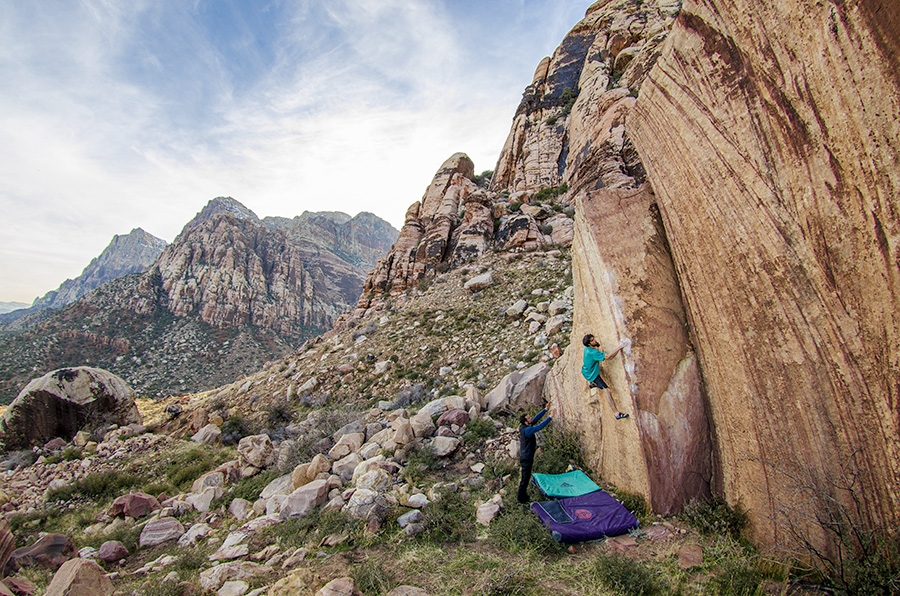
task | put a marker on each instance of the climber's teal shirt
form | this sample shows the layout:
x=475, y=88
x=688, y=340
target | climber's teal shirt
x=592, y=359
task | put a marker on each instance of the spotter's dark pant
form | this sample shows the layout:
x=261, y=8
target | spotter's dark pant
x=526, y=479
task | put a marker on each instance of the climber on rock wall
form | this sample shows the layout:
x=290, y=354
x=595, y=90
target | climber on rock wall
x=590, y=369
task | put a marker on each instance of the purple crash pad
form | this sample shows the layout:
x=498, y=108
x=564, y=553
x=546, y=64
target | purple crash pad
x=586, y=517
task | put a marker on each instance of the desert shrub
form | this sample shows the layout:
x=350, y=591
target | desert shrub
x=160, y=588
x=18, y=459
x=234, y=429
x=302, y=531
x=511, y=584
x=190, y=560
x=335, y=522
x=514, y=207
x=278, y=414
x=738, y=577
x=634, y=503
x=569, y=95
x=127, y=535
x=327, y=422
x=624, y=575
x=715, y=516
x=516, y=529
x=372, y=577
x=420, y=460
x=249, y=488
x=499, y=468
x=21, y=524
x=483, y=179
x=94, y=487
x=449, y=519
x=877, y=571
x=289, y=534
x=861, y=556
x=551, y=192
x=189, y=465
x=479, y=429
x=70, y=453
x=559, y=450
x=160, y=488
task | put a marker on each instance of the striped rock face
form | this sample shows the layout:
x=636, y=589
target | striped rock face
x=768, y=133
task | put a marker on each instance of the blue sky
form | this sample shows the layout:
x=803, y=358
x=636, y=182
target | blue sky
x=135, y=113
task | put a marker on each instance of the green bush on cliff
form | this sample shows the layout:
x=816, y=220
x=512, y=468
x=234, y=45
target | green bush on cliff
x=551, y=192
x=715, y=516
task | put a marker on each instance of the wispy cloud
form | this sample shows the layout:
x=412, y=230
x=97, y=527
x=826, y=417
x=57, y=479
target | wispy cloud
x=117, y=115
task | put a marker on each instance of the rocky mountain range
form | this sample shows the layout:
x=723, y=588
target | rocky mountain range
x=126, y=254
x=231, y=292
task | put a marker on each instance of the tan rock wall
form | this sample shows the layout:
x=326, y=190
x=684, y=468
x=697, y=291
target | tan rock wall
x=769, y=133
x=625, y=287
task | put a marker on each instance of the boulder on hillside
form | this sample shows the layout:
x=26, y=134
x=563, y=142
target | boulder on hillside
x=479, y=282
x=65, y=401
x=136, y=504
x=80, y=577
x=112, y=551
x=257, y=451
x=519, y=390
x=160, y=530
x=49, y=551
x=342, y=586
x=7, y=543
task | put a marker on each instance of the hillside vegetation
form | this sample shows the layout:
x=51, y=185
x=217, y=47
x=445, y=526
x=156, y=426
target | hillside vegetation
x=445, y=550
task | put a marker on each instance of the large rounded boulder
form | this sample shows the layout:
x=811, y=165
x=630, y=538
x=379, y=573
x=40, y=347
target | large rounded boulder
x=65, y=401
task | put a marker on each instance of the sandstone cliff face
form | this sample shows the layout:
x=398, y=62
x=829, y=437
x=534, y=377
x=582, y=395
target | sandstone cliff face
x=456, y=222
x=569, y=126
x=769, y=134
x=626, y=288
x=360, y=240
x=625, y=281
x=568, y=133
x=423, y=240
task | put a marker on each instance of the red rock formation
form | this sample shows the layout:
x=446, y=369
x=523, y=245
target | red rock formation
x=569, y=126
x=769, y=133
x=233, y=271
x=626, y=287
x=425, y=240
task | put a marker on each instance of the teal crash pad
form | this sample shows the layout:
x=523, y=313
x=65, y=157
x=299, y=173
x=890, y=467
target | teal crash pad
x=570, y=484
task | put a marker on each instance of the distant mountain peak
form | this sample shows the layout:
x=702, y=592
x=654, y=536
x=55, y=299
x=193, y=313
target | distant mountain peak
x=125, y=254
x=221, y=205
